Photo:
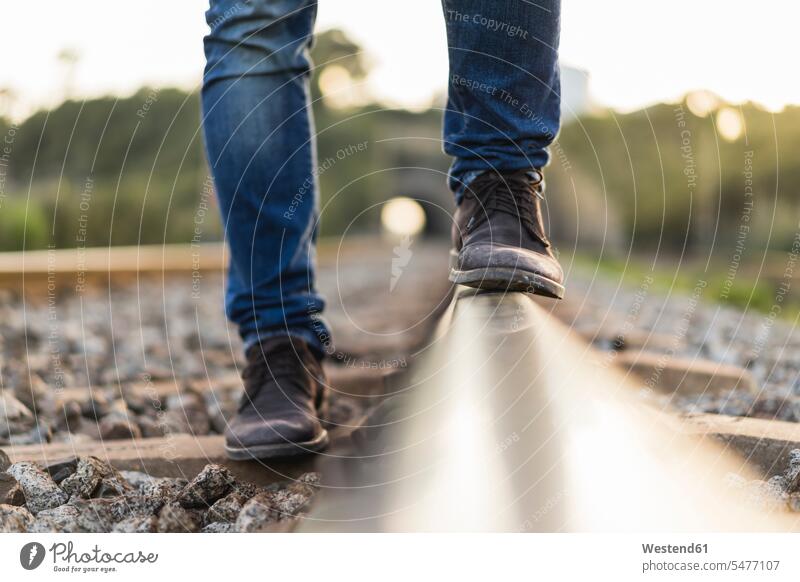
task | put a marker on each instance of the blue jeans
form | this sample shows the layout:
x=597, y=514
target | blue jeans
x=502, y=113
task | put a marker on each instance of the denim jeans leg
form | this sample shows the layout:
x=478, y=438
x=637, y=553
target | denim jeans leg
x=261, y=150
x=504, y=93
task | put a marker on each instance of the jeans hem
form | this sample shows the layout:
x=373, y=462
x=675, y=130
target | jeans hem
x=460, y=185
x=307, y=335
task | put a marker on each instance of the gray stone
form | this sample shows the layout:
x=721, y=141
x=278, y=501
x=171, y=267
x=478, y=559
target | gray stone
x=100, y=515
x=60, y=470
x=90, y=429
x=186, y=414
x=137, y=479
x=97, y=515
x=257, y=514
x=136, y=398
x=246, y=490
x=116, y=426
x=220, y=412
x=150, y=427
x=37, y=435
x=10, y=490
x=62, y=519
x=166, y=488
x=14, y=519
x=280, y=503
x=46, y=525
x=34, y=393
x=95, y=478
x=13, y=413
x=113, y=486
x=311, y=479
x=175, y=519
x=70, y=416
x=5, y=462
x=793, y=472
x=95, y=407
x=213, y=482
x=290, y=502
x=227, y=509
x=41, y=492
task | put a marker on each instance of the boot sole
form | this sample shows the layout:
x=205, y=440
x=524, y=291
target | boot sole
x=279, y=450
x=508, y=279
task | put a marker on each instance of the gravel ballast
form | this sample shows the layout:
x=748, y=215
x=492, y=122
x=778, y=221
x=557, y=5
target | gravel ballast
x=212, y=502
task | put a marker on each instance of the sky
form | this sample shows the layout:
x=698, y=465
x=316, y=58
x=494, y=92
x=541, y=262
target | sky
x=636, y=53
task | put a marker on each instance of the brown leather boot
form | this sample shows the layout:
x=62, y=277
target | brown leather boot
x=499, y=242
x=279, y=414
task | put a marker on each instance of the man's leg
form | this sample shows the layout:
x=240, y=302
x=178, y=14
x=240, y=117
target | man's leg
x=260, y=147
x=503, y=111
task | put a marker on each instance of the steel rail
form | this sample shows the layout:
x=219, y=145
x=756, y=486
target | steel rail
x=510, y=422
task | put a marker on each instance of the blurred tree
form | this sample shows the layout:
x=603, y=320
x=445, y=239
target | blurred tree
x=674, y=179
x=132, y=169
x=128, y=170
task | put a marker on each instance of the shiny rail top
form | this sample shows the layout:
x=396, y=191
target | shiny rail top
x=509, y=422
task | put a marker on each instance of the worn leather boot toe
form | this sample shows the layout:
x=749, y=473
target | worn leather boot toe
x=284, y=399
x=499, y=241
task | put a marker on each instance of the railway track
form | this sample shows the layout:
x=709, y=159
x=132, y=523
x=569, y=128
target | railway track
x=480, y=402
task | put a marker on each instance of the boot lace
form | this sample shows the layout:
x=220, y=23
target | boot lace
x=513, y=194
x=266, y=366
